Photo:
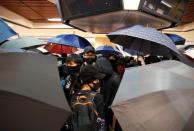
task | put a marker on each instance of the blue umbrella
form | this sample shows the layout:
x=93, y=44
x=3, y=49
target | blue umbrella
x=5, y=31
x=178, y=40
x=145, y=40
x=107, y=49
x=70, y=40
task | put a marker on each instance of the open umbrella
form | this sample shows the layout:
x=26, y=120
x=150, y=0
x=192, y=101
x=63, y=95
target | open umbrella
x=145, y=40
x=66, y=43
x=178, y=40
x=31, y=98
x=15, y=50
x=23, y=42
x=60, y=49
x=5, y=31
x=107, y=49
x=156, y=97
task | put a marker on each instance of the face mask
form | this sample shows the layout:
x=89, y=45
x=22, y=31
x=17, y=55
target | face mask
x=90, y=61
x=73, y=69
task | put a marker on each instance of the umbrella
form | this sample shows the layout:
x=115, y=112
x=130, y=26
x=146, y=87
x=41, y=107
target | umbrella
x=178, y=40
x=23, y=42
x=66, y=44
x=107, y=49
x=156, y=97
x=70, y=40
x=31, y=98
x=145, y=40
x=15, y=50
x=5, y=31
x=60, y=49
x=103, y=41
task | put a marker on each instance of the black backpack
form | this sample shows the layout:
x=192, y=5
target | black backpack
x=85, y=115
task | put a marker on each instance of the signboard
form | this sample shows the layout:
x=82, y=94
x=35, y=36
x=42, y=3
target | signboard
x=71, y=9
x=172, y=10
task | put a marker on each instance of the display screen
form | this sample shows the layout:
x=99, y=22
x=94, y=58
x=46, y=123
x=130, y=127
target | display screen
x=169, y=9
x=71, y=9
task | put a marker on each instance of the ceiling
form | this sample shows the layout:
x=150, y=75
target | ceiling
x=41, y=10
x=34, y=10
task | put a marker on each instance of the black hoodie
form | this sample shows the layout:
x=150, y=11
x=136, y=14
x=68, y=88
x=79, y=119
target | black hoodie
x=110, y=82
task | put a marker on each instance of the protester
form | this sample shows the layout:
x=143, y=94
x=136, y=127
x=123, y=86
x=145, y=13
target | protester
x=71, y=72
x=87, y=104
x=120, y=66
x=110, y=85
x=89, y=55
x=113, y=59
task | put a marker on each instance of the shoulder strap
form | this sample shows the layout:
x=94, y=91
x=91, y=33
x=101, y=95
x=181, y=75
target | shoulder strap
x=88, y=95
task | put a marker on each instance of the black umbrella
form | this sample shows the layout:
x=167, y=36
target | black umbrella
x=31, y=98
x=156, y=97
x=145, y=40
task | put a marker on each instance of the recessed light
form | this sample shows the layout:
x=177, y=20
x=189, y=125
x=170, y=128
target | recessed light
x=54, y=19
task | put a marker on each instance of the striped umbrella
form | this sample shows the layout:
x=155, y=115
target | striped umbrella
x=145, y=40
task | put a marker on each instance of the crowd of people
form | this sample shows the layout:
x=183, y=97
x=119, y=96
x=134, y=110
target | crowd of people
x=90, y=82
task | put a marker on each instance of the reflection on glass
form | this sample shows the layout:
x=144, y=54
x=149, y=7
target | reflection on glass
x=72, y=8
x=172, y=8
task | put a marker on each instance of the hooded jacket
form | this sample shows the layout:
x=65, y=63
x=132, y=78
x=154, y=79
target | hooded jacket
x=110, y=82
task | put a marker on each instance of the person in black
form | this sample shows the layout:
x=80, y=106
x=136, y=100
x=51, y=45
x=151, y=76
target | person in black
x=91, y=82
x=110, y=85
x=113, y=60
x=71, y=70
x=89, y=55
x=110, y=82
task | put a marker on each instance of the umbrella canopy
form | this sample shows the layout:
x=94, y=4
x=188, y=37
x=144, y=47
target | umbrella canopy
x=70, y=40
x=15, y=50
x=107, y=49
x=178, y=40
x=103, y=41
x=5, y=31
x=22, y=42
x=145, y=40
x=60, y=49
x=31, y=98
x=156, y=97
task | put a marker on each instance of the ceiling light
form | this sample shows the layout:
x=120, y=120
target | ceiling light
x=167, y=4
x=54, y=19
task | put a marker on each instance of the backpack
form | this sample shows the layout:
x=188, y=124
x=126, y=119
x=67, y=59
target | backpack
x=85, y=115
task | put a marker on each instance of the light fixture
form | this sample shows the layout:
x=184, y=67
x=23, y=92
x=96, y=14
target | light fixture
x=54, y=19
x=167, y=4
